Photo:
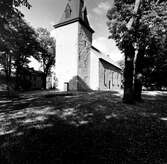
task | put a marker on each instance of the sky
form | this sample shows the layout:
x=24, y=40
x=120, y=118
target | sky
x=46, y=13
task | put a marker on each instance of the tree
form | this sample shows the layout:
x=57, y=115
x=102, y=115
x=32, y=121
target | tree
x=46, y=55
x=17, y=39
x=156, y=58
x=26, y=46
x=120, y=27
x=155, y=67
x=8, y=8
x=131, y=25
x=19, y=44
x=151, y=38
x=6, y=63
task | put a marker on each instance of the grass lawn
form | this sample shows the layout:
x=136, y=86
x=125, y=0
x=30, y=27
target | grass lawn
x=83, y=128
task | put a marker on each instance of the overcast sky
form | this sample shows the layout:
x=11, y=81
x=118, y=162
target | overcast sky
x=46, y=13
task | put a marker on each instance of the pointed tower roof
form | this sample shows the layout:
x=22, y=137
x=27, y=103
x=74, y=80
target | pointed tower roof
x=75, y=10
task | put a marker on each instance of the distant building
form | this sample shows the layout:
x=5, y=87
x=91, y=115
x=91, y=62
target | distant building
x=31, y=79
x=51, y=81
x=79, y=65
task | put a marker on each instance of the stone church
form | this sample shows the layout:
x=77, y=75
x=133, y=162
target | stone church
x=79, y=65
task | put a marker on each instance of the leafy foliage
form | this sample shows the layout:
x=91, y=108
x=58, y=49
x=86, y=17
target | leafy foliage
x=157, y=46
x=46, y=54
x=148, y=33
x=9, y=7
x=20, y=44
x=10, y=17
x=8, y=11
x=17, y=39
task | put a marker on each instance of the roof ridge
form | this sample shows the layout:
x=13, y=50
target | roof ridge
x=106, y=58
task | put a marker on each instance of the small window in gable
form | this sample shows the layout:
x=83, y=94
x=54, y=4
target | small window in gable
x=68, y=11
x=85, y=43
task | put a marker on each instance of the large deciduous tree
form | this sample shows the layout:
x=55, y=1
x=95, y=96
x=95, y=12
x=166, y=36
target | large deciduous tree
x=137, y=25
x=19, y=43
x=17, y=39
x=8, y=10
x=26, y=45
x=46, y=54
x=156, y=51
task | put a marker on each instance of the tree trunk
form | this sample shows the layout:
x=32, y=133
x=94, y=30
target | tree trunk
x=17, y=77
x=138, y=87
x=129, y=61
x=138, y=74
x=128, y=74
x=135, y=10
x=44, y=81
x=11, y=92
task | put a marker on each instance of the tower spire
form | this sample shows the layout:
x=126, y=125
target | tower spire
x=75, y=10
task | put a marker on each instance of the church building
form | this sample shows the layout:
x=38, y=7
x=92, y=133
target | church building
x=79, y=65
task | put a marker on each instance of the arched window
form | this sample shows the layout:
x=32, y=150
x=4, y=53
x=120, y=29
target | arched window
x=105, y=77
x=68, y=11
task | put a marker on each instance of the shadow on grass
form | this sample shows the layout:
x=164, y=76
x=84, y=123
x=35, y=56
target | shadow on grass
x=82, y=129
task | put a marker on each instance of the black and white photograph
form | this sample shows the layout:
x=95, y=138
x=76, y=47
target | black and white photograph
x=83, y=81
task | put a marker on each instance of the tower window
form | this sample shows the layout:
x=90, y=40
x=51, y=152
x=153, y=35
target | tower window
x=68, y=11
x=85, y=43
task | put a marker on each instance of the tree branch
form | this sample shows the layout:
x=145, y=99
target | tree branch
x=157, y=2
x=136, y=8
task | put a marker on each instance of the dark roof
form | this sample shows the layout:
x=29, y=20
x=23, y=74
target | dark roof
x=75, y=10
x=105, y=58
x=31, y=71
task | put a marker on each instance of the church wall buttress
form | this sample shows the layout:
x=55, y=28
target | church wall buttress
x=84, y=50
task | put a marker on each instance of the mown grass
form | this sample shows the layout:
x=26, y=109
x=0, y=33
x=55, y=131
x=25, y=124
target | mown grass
x=94, y=127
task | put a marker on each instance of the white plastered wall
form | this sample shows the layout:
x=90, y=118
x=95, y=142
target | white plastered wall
x=94, y=70
x=66, y=53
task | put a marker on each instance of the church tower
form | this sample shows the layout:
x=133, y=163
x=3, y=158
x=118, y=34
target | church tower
x=73, y=36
